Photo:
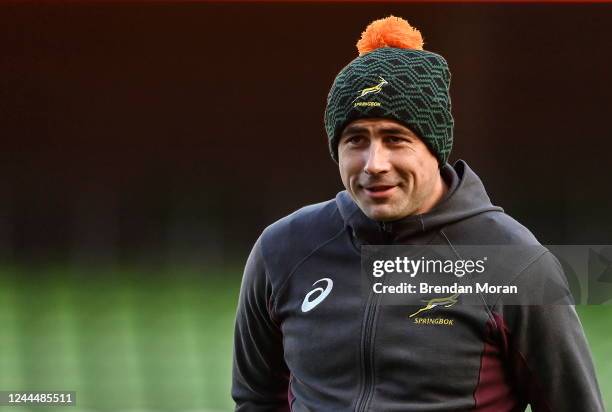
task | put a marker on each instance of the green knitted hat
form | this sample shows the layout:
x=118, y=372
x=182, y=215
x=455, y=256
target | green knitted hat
x=394, y=78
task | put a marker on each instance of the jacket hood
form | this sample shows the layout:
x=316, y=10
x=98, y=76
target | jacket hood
x=466, y=197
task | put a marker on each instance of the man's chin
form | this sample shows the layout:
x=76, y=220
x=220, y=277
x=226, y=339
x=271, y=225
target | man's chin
x=380, y=213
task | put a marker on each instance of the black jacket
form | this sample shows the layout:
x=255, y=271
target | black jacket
x=335, y=350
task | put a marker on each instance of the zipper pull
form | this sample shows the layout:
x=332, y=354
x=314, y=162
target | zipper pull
x=386, y=227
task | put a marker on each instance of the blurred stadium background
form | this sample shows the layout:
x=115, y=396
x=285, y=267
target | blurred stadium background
x=147, y=144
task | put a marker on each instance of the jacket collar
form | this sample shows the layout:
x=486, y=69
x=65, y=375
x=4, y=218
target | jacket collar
x=466, y=197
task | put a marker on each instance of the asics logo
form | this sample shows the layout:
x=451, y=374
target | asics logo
x=307, y=304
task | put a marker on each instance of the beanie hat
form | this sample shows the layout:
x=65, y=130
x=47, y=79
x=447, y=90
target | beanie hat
x=393, y=78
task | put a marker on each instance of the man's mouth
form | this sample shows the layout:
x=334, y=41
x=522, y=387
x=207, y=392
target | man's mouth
x=379, y=191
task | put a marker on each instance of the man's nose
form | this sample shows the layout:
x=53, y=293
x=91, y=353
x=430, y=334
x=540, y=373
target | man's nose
x=377, y=161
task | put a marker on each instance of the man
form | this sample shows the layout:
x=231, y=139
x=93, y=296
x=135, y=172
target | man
x=306, y=339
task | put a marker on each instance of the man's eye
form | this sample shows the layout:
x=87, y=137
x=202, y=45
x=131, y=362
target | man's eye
x=354, y=139
x=395, y=139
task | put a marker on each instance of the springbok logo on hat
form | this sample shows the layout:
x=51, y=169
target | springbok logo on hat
x=373, y=89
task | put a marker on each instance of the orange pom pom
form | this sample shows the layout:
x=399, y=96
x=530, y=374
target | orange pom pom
x=389, y=32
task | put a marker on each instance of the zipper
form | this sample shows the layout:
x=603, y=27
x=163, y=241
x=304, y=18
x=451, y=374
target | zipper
x=367, y=338
x=367, y=353
x=387, y=229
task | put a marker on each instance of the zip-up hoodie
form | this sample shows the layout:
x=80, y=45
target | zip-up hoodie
x=307, y=339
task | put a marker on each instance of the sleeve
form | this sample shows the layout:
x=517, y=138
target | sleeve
x=550, y=357
x=260, y=376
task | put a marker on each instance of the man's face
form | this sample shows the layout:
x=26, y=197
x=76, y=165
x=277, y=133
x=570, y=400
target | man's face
x=388, y=171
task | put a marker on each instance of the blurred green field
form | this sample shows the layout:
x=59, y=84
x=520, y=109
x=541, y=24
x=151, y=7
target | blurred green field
x=137, y=340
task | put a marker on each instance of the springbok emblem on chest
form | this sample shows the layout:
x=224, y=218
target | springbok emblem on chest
x=432, y=303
